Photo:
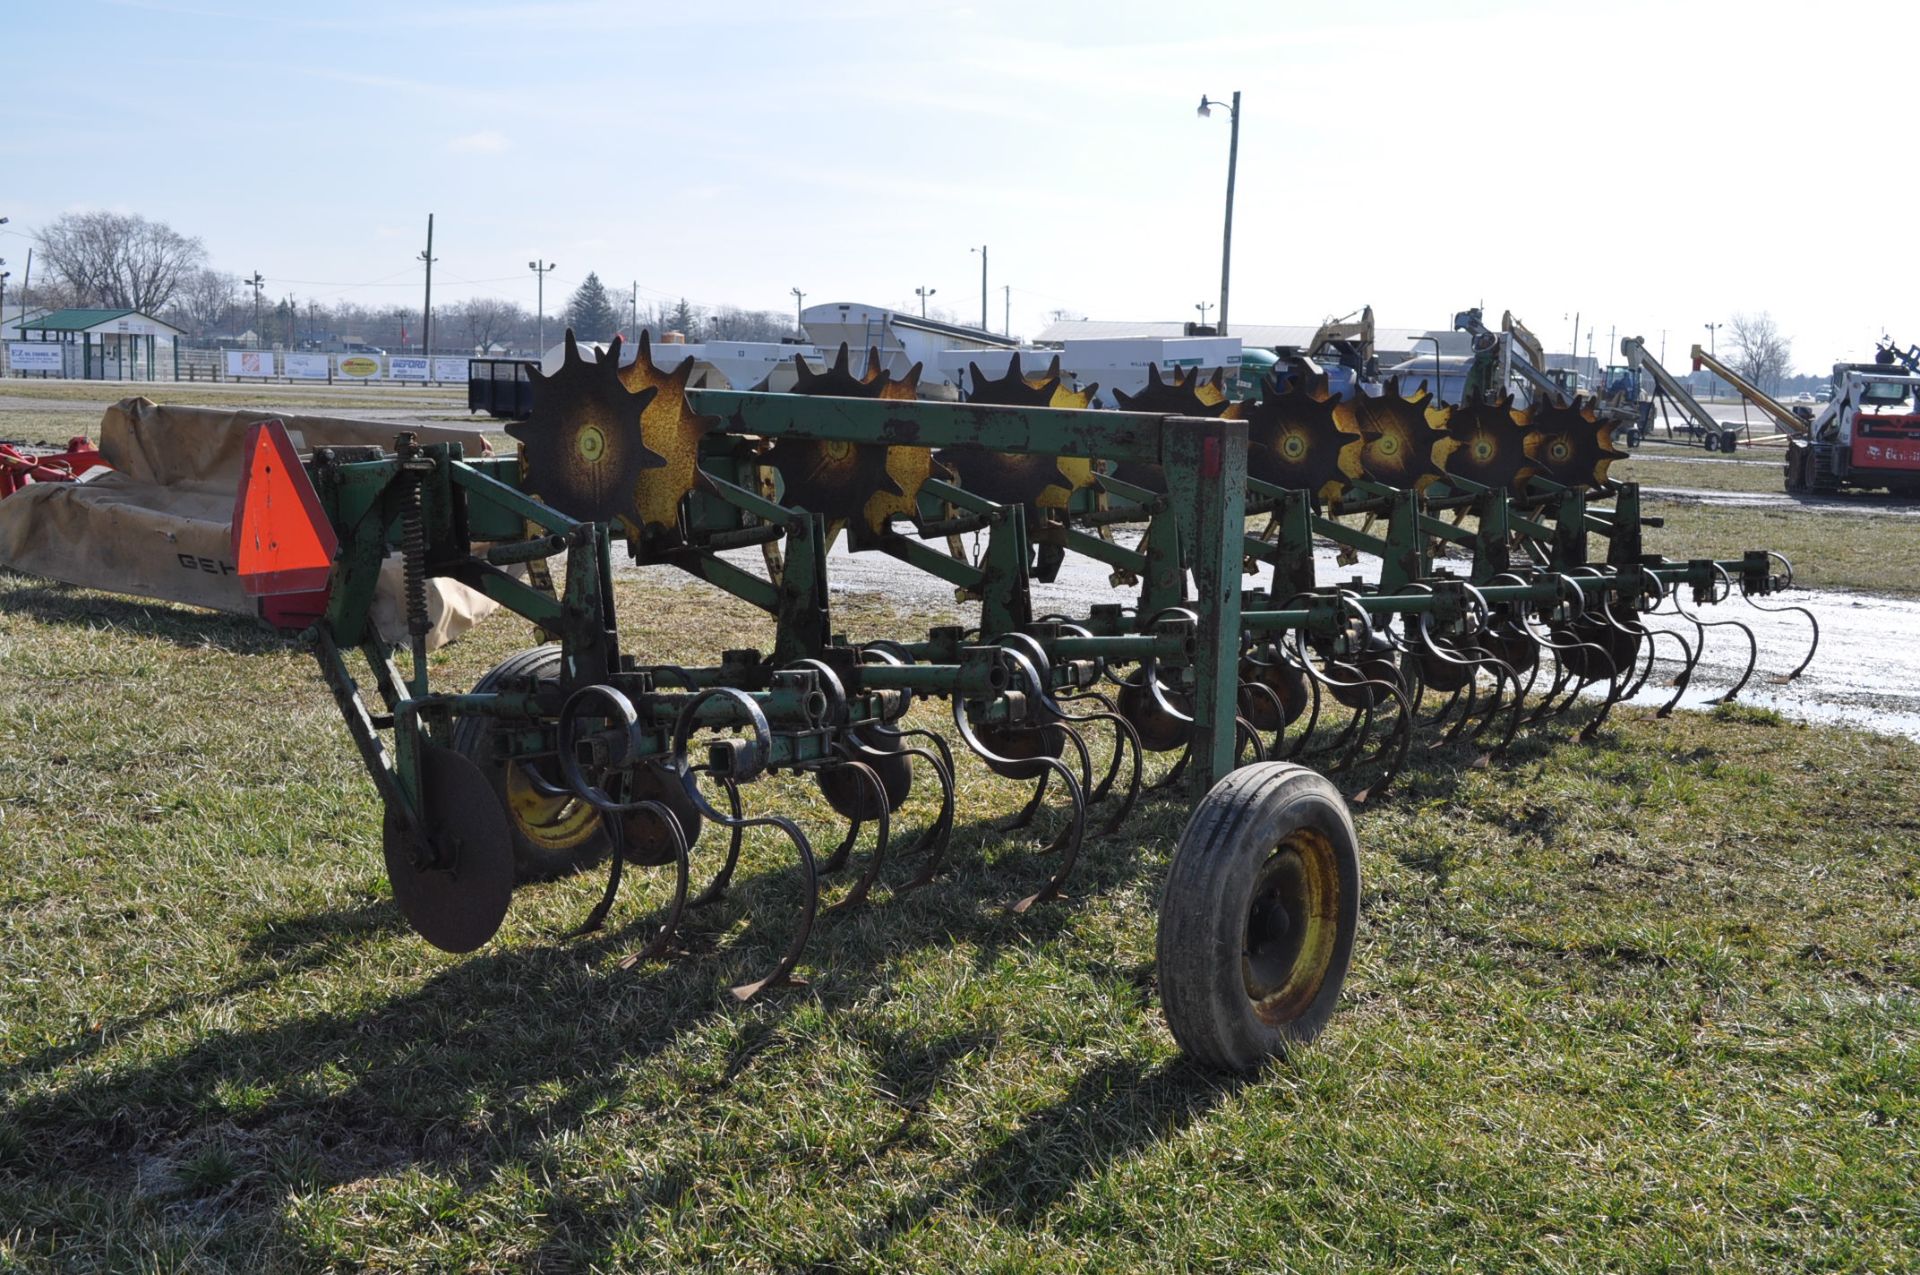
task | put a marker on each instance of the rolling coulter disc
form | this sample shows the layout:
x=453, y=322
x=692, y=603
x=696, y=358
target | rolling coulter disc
x=1159, y=730
x=1022, y=745
x=1622, y=648
x=849, y=793
x=1401, y=436
x=459, y=906
x=1570, y=444
x=1302, y=442
x=1258, y=916
x=1289, y=687
x=1485, y=443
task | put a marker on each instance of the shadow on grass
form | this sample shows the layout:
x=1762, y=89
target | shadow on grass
x=52, y=602
x=487, y=1062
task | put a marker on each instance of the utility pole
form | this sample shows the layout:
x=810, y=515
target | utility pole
x=799, y=299
x=542, y=268
x=1233, y=161
x=257, y=282
x=923, y=293
x=426, y=310
x=633, y=311
x=26, y=280
x=1006, y=318
x=982, y=250
x=1203, y=307
x=1573, y=351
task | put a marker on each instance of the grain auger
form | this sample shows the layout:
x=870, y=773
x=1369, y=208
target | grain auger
x=580, y=750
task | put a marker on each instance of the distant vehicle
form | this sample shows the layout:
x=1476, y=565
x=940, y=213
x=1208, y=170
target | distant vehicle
x=354, y=347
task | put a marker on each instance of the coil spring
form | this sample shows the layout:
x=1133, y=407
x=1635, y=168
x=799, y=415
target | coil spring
x=413, y=550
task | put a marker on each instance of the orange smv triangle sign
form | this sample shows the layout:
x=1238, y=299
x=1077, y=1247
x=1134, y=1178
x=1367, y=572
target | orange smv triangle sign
x=282, y=541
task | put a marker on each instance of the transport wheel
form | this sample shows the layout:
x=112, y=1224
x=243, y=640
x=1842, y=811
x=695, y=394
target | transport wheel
x=552, y=836
x=1258, y=915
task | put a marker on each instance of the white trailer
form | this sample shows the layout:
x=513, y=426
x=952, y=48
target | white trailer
x=1121, y=363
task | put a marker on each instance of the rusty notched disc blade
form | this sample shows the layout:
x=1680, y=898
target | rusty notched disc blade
x=455, y=907
x=1007, y=478
x=1014, y=389
x=672, y=430
x=1303, y=443
x=1485, y=443
x=583, y=446
x=862, y=483
x=1400, y=437
x=1182, y=396
x=1569, y=445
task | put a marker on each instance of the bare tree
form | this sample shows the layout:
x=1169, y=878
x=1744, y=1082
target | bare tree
x=731, y=323
x=488, y=319
x=1761, y=352
x=206, y=302
x=120, y=259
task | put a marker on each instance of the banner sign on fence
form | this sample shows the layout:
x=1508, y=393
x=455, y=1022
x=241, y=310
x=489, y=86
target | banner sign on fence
x=35, y=356
x=305, y=367
x=402, y=368
x=250, y=363
x=449, y=369
x=359, y=367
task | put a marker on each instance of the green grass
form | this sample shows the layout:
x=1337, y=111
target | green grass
x=1645, y=1004
x=1874, y=553
x=1701, y=474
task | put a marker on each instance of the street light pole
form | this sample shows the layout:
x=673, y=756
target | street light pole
x=982, y=250
x=1233, y=162
x=923, y=293
x=541, y=268
x=1713, y=348
x=426, y=310
x=799, y=300
x=1203, y=307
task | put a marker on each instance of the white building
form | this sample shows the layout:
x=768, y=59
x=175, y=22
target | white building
x=902, y=339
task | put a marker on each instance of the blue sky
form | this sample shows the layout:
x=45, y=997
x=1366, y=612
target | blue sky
x=1653, y=166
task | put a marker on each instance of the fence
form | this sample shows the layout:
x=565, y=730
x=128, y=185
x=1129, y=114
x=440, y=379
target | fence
x=288, y=367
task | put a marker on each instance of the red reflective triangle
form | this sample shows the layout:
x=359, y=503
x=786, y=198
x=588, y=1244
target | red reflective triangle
x=282, y=541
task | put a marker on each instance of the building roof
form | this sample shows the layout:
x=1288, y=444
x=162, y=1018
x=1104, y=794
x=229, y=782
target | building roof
x=1258, y=335
x=86, y=320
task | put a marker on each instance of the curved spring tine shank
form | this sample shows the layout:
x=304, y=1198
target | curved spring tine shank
x=1068, y=842
x=878, y=792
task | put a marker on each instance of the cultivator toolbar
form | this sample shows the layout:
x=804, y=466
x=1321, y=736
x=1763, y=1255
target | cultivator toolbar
x=581, y=750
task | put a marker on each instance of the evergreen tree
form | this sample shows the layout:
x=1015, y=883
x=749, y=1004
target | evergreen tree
x=590, y=314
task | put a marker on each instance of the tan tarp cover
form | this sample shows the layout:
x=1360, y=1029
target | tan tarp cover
x=158, y=525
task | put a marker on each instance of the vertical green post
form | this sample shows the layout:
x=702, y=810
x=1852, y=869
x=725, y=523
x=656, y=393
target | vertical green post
x=1206, y=467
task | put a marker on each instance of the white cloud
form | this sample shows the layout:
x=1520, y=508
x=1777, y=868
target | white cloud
x=486, y=142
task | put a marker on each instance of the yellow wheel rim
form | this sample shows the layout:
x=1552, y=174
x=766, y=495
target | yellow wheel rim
x=552, y=823
x=1293, y=921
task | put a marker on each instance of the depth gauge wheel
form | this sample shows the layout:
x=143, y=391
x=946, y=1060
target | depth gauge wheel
x=552, y=836
x=1258, y=916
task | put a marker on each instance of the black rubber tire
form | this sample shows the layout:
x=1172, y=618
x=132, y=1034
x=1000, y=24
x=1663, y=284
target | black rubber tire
x=473, y=738
x=1240, y=829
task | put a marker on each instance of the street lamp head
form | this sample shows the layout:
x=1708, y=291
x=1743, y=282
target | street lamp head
x=1206, y=107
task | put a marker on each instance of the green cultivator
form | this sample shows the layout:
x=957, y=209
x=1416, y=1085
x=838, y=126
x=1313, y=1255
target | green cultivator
x=1221, y=645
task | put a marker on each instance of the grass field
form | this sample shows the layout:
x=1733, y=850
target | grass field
x=1643, y=1004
